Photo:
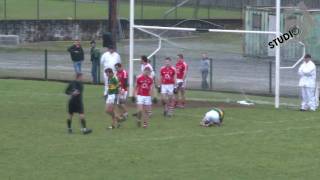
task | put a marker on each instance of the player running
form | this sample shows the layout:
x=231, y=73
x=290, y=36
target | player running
x=75, y=105
x=122, y=76
x=112, y=98
x=143, y=91
x=182, y=69
x=213, y=118
x=167, y=81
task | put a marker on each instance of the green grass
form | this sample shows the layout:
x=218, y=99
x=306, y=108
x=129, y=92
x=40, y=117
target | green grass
x=56, y=9
x=213, y=42
x=254, y=143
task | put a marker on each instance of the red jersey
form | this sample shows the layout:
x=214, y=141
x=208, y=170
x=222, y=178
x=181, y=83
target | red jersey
x=123, y=79
x=182, y=68
x=144, y=85
x=167, y=74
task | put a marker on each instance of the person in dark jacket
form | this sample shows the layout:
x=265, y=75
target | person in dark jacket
x=204, y=68
x=75, y=104
x=95, y=59
x=77, y=55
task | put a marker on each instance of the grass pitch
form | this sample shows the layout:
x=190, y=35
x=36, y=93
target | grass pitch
x=254, y=143
x=64, y=9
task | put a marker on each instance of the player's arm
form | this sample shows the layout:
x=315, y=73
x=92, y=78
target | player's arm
x=118, y=59
x=308, y=70
x=160, y=79
x=135, y=90
x=126, y=81
x=117, y=85
x=175, y=75
x=185, y=72
x=102, y=59
x=97, y=53
x=68, y=90
x=70, y=49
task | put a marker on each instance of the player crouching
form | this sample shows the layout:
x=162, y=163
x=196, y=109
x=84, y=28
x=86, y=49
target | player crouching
x=167, y=82
x=213, y=118
x=112, y=98
x=143, y=91
x=75, y=105
x=122, y=76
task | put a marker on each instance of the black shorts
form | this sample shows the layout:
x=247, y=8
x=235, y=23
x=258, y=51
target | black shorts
x=75, y=107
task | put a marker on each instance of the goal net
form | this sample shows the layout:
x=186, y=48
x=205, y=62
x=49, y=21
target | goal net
x=9, y=40
x=238, y=38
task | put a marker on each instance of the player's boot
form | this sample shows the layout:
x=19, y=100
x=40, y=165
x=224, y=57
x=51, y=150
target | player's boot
x=145, y=125
x=86, y=131
x=165, y=113
x=125, y=115
x=111, y=127
x=139, y=123
x=70, y=131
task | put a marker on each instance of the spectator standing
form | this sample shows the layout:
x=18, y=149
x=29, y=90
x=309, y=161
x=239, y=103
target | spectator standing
x=307, y=84
x=95, y=60
x=204, y=68
x=108, y=60
x=77, y=55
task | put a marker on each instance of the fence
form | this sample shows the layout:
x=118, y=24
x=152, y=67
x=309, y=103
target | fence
x=145, y=9
x=247, y=77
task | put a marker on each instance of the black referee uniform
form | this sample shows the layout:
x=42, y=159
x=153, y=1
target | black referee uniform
x=75, y=104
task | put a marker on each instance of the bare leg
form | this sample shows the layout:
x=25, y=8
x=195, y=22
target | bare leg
x=164, y=103
x=170, y=105
x=139, y=114
x=111, y=111
x=69, y=122
x=146, y=110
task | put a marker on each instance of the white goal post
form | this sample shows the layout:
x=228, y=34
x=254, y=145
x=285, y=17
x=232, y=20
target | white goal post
x=134, y=26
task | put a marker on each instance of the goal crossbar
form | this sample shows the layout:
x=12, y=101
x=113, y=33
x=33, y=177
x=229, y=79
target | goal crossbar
x=202, y=30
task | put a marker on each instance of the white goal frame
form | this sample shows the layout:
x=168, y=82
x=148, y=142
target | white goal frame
x=134, y=26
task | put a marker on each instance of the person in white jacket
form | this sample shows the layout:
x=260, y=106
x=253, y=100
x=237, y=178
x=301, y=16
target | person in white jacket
x=307, y=84
x=108, y=60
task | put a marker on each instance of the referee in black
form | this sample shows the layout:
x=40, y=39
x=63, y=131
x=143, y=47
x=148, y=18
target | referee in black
x=75, y=105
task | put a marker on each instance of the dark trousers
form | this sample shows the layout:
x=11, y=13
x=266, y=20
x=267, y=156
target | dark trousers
x=94, y=72
x=204, y=83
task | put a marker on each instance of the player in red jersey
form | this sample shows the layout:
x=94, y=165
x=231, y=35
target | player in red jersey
x=144, y=61
x=122, y=76
x=143, y=91
x=167, y=81
x=182, y=69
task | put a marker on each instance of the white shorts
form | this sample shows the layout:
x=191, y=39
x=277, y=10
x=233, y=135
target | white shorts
x=183, y=82
x=123, y=97
x=167, y=89
x=112, y=99
x=144, y=100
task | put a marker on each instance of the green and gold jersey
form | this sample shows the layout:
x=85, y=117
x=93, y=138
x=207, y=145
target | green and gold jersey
x=113, y=85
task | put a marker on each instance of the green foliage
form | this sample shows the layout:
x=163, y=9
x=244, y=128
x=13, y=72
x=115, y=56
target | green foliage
x=254, y=143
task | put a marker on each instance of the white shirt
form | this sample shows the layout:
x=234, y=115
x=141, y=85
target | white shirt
x=212, y=116
x=307, y=73
x=109, y=60
x=147, y=65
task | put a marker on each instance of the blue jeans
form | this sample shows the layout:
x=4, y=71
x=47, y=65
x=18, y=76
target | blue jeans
x=94, y=72
x=204, y=83
x=77, y=66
